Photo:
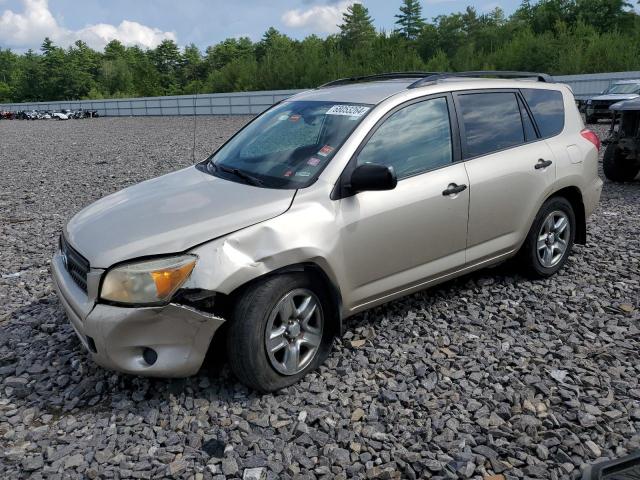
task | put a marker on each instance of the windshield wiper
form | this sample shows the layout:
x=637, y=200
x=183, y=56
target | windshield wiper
x=250, y=179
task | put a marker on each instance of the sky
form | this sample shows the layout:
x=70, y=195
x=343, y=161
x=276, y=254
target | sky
x=25, y=23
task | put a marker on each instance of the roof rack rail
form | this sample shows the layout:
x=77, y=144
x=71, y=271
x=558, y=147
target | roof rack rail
x=540, y=77
x=377, y=76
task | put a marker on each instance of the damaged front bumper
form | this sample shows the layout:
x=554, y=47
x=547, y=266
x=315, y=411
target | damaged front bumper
x=165, y=341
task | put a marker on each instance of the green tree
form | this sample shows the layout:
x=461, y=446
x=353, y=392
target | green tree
x=56, y=74
x=191, y=70
x=238, y=75
x=30, y=83
x=410, y=19
x=605, y=15
x=356, y=30
x=439, y=62
x=270, y=38
x=145, y=76
x=167, y=60
x=9, y=70
x=82, y=65
x=115, y=77
x=232, y=49
x=277, y=65
x=556, y=36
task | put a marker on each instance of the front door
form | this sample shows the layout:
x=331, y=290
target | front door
x=397, y=239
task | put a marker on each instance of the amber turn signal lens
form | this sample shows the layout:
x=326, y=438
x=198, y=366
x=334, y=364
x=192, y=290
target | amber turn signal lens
x=148, y=281
x=167, y=281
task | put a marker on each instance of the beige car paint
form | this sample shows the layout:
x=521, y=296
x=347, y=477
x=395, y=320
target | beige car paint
x=497, y=181
x=373, y=247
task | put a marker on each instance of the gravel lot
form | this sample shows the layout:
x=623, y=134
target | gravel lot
x=486, y=375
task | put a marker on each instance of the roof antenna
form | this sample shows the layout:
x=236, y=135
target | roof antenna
x=195, y=121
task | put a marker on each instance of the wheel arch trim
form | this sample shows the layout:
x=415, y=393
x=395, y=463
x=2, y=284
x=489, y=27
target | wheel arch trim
x=320, y=273
x=574, y=196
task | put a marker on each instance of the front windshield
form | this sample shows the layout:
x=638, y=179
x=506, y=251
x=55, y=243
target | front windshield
x=624, y=88
x=289, y=145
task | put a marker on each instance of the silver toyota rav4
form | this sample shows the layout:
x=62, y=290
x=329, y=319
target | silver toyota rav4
x=329, y=203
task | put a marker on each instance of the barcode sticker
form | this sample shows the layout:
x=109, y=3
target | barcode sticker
x=348, y=110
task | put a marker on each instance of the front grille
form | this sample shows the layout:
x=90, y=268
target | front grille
x=76, y=264
x=604, y=104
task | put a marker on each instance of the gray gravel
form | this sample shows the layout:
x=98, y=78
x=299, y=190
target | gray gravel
x=486, y=375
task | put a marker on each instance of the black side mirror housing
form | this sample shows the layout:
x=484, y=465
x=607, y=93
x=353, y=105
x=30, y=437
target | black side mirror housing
x=373, y=176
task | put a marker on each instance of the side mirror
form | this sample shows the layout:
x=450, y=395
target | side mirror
x=373, y=176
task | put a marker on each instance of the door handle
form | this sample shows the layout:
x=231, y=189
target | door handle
x=453, y=189
x=542, y=163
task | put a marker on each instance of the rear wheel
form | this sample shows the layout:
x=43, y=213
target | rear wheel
x=279, y=331
x=550, y=238
x=616, y=167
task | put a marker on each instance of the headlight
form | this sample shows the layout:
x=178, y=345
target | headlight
x=151, y=281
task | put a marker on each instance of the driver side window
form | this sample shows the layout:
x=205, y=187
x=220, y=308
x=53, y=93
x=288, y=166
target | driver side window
x=413, y=140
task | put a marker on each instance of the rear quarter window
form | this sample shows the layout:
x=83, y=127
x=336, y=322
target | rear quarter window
x=547, y=107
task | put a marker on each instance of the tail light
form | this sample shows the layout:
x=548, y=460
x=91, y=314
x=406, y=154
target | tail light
x=592, y=137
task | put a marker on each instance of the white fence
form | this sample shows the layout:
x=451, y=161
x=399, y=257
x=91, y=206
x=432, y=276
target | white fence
x=583, y=87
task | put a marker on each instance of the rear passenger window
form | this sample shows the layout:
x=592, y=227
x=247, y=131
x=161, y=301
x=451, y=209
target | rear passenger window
x=547, y=108
x=491, y=122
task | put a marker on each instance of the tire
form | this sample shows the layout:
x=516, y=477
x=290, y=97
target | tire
x=616, y=168
x=259, y=310
x=534, y=248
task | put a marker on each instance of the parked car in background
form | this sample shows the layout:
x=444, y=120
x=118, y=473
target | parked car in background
x=60, y=116
x=331, y=202
x=598, y=106
x=621, y=162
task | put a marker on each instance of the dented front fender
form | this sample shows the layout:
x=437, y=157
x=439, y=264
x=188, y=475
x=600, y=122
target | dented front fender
x=304, y=234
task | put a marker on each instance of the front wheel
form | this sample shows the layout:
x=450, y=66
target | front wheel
x=279, y=331
x=550, y=238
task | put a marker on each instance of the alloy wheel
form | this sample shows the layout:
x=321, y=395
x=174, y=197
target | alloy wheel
x=294, y=331
x=553, y=239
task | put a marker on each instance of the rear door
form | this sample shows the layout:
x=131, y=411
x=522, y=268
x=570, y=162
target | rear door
x=510, y=170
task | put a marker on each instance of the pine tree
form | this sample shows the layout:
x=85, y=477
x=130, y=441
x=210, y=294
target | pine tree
x=357, y=28
x=410, y=19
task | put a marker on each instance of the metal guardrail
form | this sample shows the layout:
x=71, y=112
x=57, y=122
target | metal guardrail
x=201, y=104
x=252, y=103
x=591, y=84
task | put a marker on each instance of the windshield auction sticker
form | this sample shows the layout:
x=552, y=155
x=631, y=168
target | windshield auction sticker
x=326, y=150
x=348, y=110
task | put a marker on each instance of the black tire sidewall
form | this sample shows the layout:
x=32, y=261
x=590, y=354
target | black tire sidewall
x=532, y=262
x=616, y=170
x=245, y=339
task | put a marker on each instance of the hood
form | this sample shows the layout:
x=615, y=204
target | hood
x=632, y=105
x=169, y=214
x=616, y=97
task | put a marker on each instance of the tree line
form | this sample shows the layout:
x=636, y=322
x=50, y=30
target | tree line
x=553, y=36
